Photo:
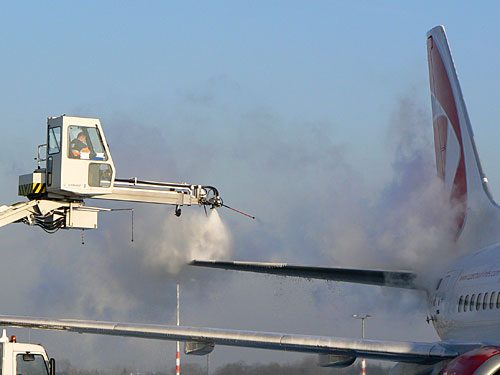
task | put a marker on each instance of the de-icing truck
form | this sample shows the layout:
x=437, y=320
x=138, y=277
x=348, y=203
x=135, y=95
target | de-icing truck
x=24, y=359
x=74, y=164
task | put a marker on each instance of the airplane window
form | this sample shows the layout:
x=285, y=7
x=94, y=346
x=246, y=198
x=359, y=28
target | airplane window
x=492, y=300
x=466, y=302
x=479, y=300
x=498, y=300
x=460, y=302
x=472, y=302
x=485, y=301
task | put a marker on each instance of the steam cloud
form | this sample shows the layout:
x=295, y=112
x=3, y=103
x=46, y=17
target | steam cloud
x=410, y=224
x=193, y=237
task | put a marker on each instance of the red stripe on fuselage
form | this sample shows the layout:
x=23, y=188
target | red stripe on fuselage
x=441, y=88
x=468, y=363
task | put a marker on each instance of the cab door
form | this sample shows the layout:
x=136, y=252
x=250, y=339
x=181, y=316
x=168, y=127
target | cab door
x=54, y=154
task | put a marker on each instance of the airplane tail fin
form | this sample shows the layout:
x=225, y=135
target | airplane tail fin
x=457, y=159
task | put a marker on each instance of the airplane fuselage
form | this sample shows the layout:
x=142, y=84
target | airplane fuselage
x=466, y=302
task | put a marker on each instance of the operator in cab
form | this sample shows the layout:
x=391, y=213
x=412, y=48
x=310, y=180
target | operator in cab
x=79, y=148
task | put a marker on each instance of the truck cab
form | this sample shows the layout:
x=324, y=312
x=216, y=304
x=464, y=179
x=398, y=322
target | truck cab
x=78, y=157
x=24, y=359
x=78, y=162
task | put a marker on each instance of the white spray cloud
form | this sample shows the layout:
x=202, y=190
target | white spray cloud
x=411, y=224
x=193, y=237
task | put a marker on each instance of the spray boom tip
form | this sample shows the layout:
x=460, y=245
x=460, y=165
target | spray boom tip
x=240, y=212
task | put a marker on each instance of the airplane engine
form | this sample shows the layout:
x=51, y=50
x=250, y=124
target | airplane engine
x=482, y=361
x=333, y=360
x=198, y=348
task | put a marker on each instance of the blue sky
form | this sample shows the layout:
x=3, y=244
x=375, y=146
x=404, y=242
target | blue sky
x=284, y=106
x=327, y=61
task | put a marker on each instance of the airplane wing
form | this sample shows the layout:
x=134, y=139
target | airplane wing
x=399, y=279
x=400, y=351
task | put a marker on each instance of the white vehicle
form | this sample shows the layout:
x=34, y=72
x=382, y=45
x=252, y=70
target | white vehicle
x=464, y=306
x=24, y=359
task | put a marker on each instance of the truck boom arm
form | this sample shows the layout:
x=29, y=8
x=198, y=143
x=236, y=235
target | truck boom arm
x=54, y=214
x=47, y=214
x=134, y=190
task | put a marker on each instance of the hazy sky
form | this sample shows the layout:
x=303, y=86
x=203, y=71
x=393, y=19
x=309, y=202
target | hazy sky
x=313, y=116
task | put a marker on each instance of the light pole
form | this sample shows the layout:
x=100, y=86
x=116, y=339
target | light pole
x=363, y=318
x=178, y=353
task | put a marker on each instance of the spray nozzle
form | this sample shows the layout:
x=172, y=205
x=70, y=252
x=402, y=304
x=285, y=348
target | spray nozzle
x=211, y=197
x=238, y=211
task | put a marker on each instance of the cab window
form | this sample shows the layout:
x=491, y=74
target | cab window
x=85, y=143
x=54, y=140
x=100, y=175
x=31, y=364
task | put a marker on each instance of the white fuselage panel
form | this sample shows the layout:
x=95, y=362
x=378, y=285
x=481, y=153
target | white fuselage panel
x=466, y=306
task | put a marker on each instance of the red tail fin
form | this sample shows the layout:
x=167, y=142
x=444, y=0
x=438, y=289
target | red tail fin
x=457, y=160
